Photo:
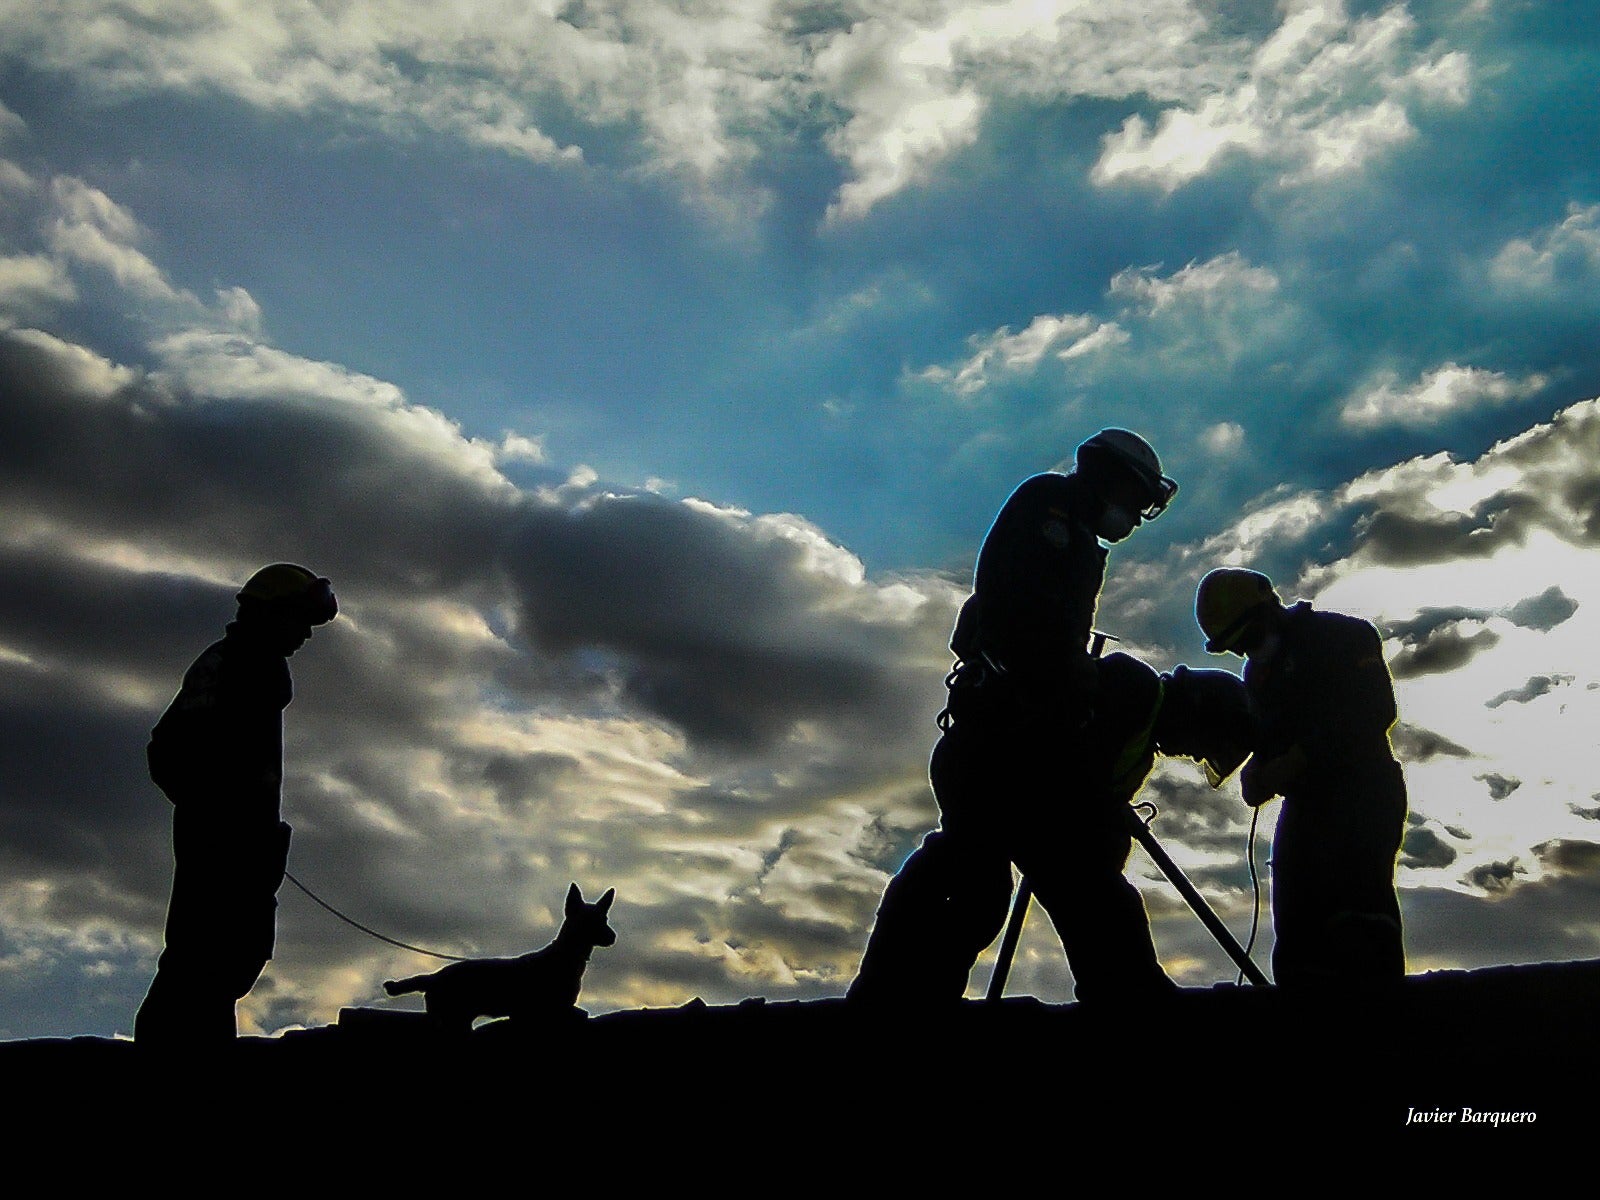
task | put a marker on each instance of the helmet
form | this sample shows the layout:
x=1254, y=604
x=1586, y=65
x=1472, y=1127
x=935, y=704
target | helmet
x=1206, y=715
x=1114, y=452
x=1227, y=600
x=293, y=590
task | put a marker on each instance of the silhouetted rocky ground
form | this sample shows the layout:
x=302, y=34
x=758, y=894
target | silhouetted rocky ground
x=1249, y=1065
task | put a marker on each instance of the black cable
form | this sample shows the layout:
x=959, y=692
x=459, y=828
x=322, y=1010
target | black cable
x=370, y=932
x=1255, y=887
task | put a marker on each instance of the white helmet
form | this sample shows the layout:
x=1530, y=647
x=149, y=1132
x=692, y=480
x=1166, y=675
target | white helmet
x=1127, y=454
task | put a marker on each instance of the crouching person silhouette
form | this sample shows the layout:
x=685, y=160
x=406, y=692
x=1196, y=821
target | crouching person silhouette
x=217, y=753
x=1064, y=823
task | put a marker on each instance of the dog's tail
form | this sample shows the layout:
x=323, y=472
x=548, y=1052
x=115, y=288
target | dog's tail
x=399, y=987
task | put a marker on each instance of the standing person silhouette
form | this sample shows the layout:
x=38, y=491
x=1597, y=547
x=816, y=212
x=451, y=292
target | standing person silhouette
x=217, y=753
x=1014, y=775
x=1324, y=704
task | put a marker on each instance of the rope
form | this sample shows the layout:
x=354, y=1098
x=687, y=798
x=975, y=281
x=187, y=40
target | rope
x=370, y=932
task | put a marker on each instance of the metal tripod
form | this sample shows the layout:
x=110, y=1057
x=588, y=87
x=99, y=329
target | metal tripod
x=1140, y=831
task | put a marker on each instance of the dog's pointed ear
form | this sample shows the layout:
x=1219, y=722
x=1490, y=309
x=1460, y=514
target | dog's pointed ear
x=574, y=898
x=604, y=903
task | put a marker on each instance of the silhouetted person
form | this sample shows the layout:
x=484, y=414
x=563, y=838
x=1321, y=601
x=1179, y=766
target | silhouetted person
x=217, y=753
x=1325, y=704
x=1021, y=774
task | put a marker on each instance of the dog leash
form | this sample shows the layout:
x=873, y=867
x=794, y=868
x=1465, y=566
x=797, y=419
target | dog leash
x=371, y=932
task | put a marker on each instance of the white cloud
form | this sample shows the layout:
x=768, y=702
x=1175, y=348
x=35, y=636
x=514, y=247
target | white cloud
x=517, y=447
x=895, y=87
x=31, y=285
x=1562, y=258
x=92, y=229
x=486, y=72
x=239, y=309
x=11, y=125
x=1438, y=395
x=1203, y=312
x=1225, y=437
x=1004, y=353
x=913, y=81
x=1486, y=577
x=1324, y=94
x=1204, y=318
x=1210, y=284
x=907, y=108
x=1184, y=144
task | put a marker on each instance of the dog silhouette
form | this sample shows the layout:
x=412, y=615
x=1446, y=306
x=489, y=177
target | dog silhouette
x=538, y=986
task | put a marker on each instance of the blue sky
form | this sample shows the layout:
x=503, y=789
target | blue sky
x=645, y=377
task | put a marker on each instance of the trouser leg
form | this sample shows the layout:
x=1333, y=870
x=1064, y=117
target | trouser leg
x=221, y=925
x=1335, y=912
x=1099, y=915
x=938, y=913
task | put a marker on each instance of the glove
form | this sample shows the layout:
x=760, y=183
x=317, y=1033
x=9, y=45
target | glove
x=1261, y=781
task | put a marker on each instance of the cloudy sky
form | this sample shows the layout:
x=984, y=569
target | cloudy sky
x=645, y=375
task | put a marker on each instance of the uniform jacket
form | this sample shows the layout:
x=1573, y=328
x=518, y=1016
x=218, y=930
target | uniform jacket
x=1038, y=581
x=221, y=738
x=1327, y=691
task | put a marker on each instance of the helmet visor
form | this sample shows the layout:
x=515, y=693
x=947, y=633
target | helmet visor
x=1165, y=490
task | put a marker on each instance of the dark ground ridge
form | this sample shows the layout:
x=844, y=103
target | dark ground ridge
x=1220, y=1061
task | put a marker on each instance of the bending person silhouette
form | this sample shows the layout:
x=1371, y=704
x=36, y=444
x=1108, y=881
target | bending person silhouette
x=1068, y=831
x=1020, y=774
x=217, y=753
x=1325, y=704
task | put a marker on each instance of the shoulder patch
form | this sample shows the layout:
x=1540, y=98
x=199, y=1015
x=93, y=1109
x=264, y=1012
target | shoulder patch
x=1056, y=531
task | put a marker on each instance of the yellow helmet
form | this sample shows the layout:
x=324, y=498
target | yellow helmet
x=1228, y=599
x=293, y=589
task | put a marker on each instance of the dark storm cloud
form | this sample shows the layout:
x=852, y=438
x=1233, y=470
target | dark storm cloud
x=1560, y=462
x=73, y=792
x=1406, y=539
x=713, y=621
x=1412, y=743
x=1420, y=634
x=1441, y=650
x=1543, y=612
x=106, y=617
x=1495, y=876
x=1550, y=919
x=484, y=721
x=1500, y=786
x=1568, y=857
x=1429, y=620
x=156, y=463
x=1548, y=476
x=1538, y=685
x=521, y=782
x=1424, y=848
x=1194, y=814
